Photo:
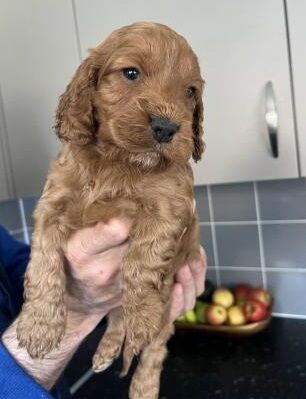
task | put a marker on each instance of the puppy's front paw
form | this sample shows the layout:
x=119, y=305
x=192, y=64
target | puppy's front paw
x=38, y=333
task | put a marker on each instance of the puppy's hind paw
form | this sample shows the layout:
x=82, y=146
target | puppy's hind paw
x=100, y=364
x=105, y=356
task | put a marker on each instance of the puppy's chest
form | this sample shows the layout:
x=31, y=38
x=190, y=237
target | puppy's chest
x=151, y=193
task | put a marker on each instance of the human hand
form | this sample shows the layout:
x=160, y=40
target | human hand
x=94, y=256
x=94, y=287
x=190, y=283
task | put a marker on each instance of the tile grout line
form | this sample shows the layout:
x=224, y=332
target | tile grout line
x=77, y=30
x=16, y=231
x=260, y=237
x=23, y=221
x=254, y=222
x=213, y=235
x=258, y=268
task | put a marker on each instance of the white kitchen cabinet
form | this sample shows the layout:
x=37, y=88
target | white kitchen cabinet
x=297, y=33
x=38, y=48
x=241, y=45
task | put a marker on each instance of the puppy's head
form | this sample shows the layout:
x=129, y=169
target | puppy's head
x=140, y=91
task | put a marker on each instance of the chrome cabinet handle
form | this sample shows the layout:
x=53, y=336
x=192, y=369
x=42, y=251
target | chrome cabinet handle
x=271, y=118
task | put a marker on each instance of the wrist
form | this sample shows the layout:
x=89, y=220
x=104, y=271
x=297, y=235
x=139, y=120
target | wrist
x=80, y=325
x=46, y=371
x=82, y=316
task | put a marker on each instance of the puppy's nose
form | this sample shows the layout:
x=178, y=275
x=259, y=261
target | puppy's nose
x=163, y=129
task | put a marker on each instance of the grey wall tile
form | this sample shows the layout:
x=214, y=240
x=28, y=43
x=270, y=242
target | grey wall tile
x=29, y=204
x=10, y=215
x=238, y=245
x=200, y=193
x=212, y=276
x=288, y=290
x=233, y=202
x=230, y=278
x=282, y=199
x=206, y=242
x=285, y=245
x=19, y=236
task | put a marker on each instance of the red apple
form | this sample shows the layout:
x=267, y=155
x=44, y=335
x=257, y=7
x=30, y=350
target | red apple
x=255, y=310
x=216, y=315
x=241, y=293
x=261, y=296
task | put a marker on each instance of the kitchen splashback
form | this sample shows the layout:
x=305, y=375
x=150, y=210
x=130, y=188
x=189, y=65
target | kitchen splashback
x=252, y=232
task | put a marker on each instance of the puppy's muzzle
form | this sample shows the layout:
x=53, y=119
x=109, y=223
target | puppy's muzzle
x=163, y=129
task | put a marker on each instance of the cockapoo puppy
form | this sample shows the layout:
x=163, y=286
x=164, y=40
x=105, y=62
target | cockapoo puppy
x=130, y=120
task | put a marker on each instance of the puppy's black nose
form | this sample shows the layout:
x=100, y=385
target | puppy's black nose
x=163, y=129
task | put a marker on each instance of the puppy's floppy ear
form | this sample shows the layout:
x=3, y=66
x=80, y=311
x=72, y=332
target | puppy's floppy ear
x=75, y=120
x=197, y=127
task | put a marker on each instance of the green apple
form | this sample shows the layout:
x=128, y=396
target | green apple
x=200, y=311
x=181, y=319
x=190, y=316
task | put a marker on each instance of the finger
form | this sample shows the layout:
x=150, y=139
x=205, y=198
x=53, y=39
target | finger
x=97, y=239
x=176, y=302
x=185, y=278
x=198, y=269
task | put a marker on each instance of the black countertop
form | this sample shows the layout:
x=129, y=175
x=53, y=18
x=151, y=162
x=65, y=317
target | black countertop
x=269, y=365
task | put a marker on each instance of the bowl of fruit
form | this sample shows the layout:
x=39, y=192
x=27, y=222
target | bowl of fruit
x=244, y=310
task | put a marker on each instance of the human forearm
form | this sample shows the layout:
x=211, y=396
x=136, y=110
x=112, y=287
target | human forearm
x=46, y=371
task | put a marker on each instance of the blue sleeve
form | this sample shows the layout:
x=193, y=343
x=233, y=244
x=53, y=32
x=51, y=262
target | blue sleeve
x=14, y=257
x=15, y=383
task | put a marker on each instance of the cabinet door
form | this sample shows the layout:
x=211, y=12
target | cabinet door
x=297, y=33
x=241, y=45
x=38, y=48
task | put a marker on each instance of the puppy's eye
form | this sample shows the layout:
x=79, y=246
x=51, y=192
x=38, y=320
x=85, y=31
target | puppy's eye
x=131, y=73
x=190, y=91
